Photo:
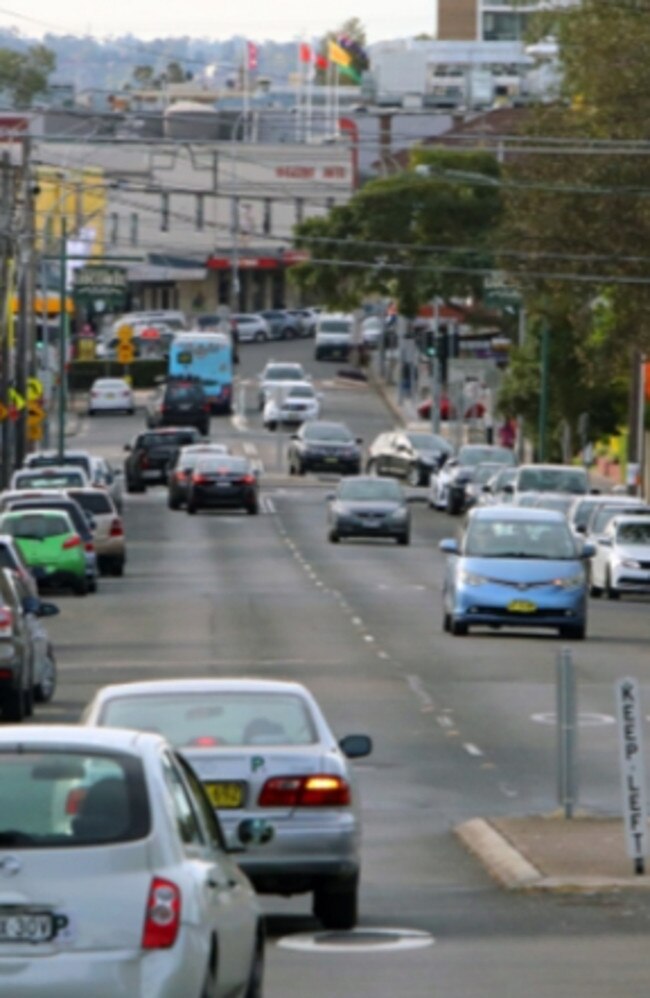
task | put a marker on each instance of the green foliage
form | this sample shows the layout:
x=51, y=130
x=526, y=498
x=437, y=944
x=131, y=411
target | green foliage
x=24, y=75
x=82, y=373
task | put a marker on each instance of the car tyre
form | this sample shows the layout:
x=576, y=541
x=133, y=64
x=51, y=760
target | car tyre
x=28, y=698
x=595, y=591
x=336, y=909
x=453, y=506
x=255, y=987
x=117, y=568
x=333, y=537
x=253, y=510
x=459, y=628
x=574, y=632
x=609, y=589
x=172, y=502
x=133, y=486
x=404, y=539
x=272, y=425
x=446, y=622
x=44, y=691
x=92, y=585
x=191, y=508
x=13, y=705
x=80, y=587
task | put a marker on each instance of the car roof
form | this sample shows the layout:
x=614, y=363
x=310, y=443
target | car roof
x=551, y=467
x=37, y=509
x=68, y=452
x=78, y=736
x=631, y=518
x=369, y=478
x=514, y=513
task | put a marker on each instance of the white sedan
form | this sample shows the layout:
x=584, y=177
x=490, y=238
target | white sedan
x=116, y=879
x=622, y=560
x=110, y=395
x=291, y=405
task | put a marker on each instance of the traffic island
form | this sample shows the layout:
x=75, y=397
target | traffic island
x=584, y=854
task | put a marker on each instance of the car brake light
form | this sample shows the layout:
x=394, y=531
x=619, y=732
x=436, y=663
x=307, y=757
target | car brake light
x=117, y=530
x=318, y=790
x=248, y=480
x=6, y=674
x=89, y=547
x=206, y=407
x=6, y=622
x=199, y=479
x=126, y=393
x=162, y=916
x=72, y=542
x=144, y=461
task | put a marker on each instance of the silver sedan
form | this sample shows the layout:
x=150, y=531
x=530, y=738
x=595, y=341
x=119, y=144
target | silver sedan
x=263, y=749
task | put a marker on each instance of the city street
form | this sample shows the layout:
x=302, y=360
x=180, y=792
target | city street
x=462, y=727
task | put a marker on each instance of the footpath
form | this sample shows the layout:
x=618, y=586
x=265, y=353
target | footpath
x=541, y=852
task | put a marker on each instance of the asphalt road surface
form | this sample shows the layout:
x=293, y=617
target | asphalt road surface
x=462, y=727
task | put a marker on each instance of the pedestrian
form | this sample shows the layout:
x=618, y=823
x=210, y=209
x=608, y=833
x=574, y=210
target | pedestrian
x=508, y=433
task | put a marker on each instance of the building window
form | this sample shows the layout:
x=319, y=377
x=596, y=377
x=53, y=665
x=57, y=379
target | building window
x=329, y=204
x=200, y=218
x=267, y=221
x=134, y=228
x=164, y=212
x=300, y=210
x=115, y=228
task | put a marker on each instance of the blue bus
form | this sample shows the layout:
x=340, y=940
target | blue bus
x=208, y=357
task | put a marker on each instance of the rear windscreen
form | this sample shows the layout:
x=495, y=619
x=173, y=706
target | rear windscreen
x=93, y=502
x=55, y=798
x=35, y=526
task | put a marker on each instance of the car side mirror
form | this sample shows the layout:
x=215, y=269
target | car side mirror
x=359, y=440
x=356, y=746
x=294, y=436
x=330, y=497
x=449, y=545
x=508, y=490
x=581, y=529
x=255, y=832
x=588, y=550
x=487, y=488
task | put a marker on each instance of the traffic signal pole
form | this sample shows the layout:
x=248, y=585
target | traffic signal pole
x=63, y=329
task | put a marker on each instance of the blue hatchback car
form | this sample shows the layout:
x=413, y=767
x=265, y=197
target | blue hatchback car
x=516, y=567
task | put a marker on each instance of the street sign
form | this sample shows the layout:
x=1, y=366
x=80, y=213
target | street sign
x=4, y=412
x=630, y=732
x=36, y=413
x=16, y=400
x=34, y=389
x=34, y=429
x=125, y=353
x=99, y=283
x=125, y=334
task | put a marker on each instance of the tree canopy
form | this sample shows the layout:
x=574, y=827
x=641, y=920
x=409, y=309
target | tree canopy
x=25, y=75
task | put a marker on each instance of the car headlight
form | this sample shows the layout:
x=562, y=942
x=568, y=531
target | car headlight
x=572, y=582
x=629, y=563
x=466, y=578
x=399, y=514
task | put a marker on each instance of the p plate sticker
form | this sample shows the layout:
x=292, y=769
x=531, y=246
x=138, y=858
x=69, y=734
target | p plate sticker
x=257, y=762
x=65, y=928
x=370, y=940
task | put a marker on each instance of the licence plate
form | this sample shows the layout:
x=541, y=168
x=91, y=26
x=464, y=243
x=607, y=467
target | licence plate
x=109, y=395
x=225, y=795
x=522, y=606
x=331, y=460
x=223, y=485
x=26, y=927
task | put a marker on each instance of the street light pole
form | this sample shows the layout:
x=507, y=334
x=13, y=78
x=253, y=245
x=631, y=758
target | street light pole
x=63, y=329
x=543, y=394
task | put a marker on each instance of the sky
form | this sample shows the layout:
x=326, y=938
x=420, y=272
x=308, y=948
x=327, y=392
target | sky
x=257, y=20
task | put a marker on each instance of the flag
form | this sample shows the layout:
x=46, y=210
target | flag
x=349, y=71
x=251, y=52
x=337, y=55
x=305, y=54
x=321, y=62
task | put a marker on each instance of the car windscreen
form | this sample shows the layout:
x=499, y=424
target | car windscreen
x=519, y=539
x=572, y=480
x=634, y=533
x=35, y=526
x=66, y=799
x=471, y=455
x=93, y=502
x=428, y=441
x=284, y=374
x=149, y=440
x=77, y=515
x=605, y=514
x=334, y=326
x=59, y=480
x=360, y=491
x=48, y=461
x=328, y=431
x=207, y=719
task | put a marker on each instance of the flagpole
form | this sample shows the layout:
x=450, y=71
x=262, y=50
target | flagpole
x=246, y=94
x=336, y=101
x=299, y=97
x=310, y=83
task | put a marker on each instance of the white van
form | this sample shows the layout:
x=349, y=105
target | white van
x=333, y=336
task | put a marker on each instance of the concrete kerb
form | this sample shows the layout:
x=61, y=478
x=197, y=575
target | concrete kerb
x=501, y=860
x=382, y=390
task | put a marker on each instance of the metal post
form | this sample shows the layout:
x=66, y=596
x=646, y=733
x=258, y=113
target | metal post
x=566, y=721
x=63, y=329
x=234, y=255
x=543, y=393
x=6, y=191
x=435, y=374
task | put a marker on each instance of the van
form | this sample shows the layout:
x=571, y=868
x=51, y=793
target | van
x=333, y=336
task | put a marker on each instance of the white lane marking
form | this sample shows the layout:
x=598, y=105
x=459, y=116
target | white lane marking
x=344, y=942
x=585, y=720
x=444, y=722
x=239, y=422
x=383, y=654
x=416, y=687
x=472, y=749
x=357, y=621
x=368, y=637
x=508, y=791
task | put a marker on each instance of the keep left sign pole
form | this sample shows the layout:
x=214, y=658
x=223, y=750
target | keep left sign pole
x=630, y=732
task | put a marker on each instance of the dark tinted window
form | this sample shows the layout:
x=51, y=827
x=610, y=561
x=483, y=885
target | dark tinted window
x=328, y=431
x=148, y=440
x=184, y=393
x=94, y=502
x=35, y=525
x=51, y=460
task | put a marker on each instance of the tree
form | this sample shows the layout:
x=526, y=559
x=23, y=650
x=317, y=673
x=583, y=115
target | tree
x=25, y=75
x=405, y=236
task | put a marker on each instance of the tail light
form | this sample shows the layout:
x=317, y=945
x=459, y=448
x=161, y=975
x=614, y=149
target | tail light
x=117, y=530
x=248, y=480
x=180, y=476
x=126, y=393
x=318, y=790
x=199, y=479
x=206, y=407
x=89, y=547
x=6, y=622
x=72, y=542
x=163, y=915
x=144, y=461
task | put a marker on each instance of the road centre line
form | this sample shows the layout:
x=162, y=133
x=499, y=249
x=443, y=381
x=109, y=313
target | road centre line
x=444, y=722
x=472, y=749
x=415, y=685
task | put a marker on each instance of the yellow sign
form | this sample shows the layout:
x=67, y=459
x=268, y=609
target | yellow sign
x=125, y=334
x=86, y=349
x=16, y=399
x=34, y=389
x=34, y=429
x=36, y=412
x=4, y=412
x=125, y=353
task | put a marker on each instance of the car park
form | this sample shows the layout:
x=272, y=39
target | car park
x=223, y=481
x=333, y=337
x=110, y=395
x=51, y=547
x=324, y=446
x=50, y=477
x=447, y=486
x=263, y=748
x=411, y=454
x=275, y=375
x=516, y=567
x=180, y=472
x=124, y=884
x=151, y=453
x=179, y=402
x=621, y=563
x=108, y=529
x=291, y=405
x=368, y=506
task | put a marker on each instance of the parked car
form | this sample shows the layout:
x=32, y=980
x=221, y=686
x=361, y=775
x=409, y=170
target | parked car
x=369, y=507
x=263, y=748
x=447, y=487
x=180, y=472
x=124, y=884
x=324, y=446
x=276, y=374
x=179, y=402
x=621, y=563
x=50, y=545
x=108, y=530
x=223, y=481
x=291, y=405
x=151, y=453
x=11, y=557
x=409, y=454
x=281, y=325
x=250, y=327
x=16, y=652
x=110, y=395
x=108, y=478
x=516, y=567
x=333, y=336
x=550, y=478
x=18, y=597
x=57, y=477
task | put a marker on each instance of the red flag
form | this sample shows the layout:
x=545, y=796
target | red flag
x=321, y=62
x=305, y=52
x=251, y=49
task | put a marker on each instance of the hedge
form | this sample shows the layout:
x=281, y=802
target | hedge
x=82, y=373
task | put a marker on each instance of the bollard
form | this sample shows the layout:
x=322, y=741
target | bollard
x=566, y=717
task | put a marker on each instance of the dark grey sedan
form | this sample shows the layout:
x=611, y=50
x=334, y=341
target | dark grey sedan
x=367, y=506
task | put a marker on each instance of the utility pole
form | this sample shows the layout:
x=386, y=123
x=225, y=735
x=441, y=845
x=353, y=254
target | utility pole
x=234, y=255
x=63, y=329
x=25, y=345
x=543, y=393
x=6, y=203
x=435, y=372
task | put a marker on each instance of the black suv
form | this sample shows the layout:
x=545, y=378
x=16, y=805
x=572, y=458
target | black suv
x=152, y=453
x=179, y=402
x=409, y=454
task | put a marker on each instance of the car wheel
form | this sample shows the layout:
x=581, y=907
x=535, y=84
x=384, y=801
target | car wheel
x=414, y=477
x=91, y=412
x=573, y=632
x=336, y=909
x=28, y=699
x=454, y=507
x=253, y=510
x=130, y=412
x=300, y=468
x=13, y=705
x=333, y=537
x=272, y=425
x=132, y=486
x=92, y=585
x=446, y=622
x=80, y=587
x=458, y=628
x=209, y=988
x=172, y=502
x=255, y=987
x=595, y=591
x=609, y=589
x=117, y=568
x=44, y=691
x=191, y=508
x=404, y=539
